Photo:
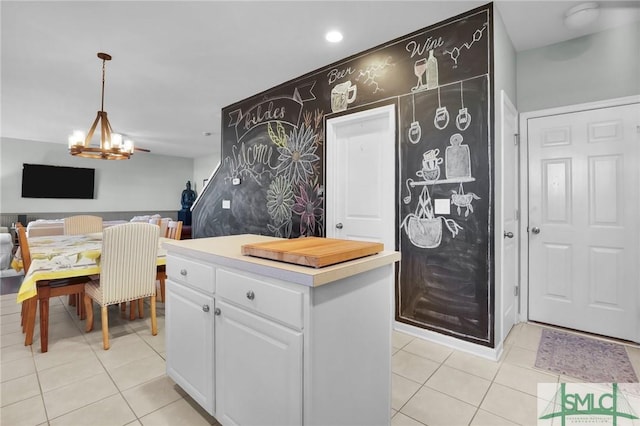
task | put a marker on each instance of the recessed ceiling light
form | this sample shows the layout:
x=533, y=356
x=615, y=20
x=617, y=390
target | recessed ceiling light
x=333, y=36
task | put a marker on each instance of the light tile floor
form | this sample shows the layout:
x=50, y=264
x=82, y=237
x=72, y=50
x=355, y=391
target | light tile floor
x=78, y=383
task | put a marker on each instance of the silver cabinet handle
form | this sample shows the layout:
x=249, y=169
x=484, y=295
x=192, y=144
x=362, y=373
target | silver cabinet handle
x=251, y=295
x=535, y=230
x=339, y=225
x=205, y=308
x=217, y=311
x=508, y=234
x=183, y=272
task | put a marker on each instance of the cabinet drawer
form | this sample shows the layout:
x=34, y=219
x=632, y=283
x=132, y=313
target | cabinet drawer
x=277, y=302
x=194, y=273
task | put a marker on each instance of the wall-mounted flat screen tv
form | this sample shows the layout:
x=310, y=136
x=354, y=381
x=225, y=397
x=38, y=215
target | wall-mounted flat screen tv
x=44, y=181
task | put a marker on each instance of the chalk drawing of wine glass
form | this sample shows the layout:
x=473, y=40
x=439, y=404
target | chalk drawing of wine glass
x=463, y=120
x=419, y=68
x=415, y=131
x=441, y=119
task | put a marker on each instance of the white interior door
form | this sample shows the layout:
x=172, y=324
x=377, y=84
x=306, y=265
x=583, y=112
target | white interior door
x=360, y=163
x=583, y=219
x=509, y=226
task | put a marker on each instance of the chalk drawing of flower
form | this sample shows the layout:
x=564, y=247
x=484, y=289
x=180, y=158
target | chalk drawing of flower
x=280, y=200
x=298, y=155
x=309, y=207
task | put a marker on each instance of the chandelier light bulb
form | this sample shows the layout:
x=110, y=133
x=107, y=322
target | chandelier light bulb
x=116, y=140
x=77, y=138
x=128, y=146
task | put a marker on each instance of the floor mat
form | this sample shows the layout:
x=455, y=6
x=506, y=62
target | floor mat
x=588, y=359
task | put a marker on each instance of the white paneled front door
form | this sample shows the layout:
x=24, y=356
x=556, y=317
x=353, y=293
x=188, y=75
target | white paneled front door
x=583, y=220
x=360, y=180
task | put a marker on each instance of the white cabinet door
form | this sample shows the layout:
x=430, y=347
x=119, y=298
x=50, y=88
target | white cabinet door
x=258, y=370
x=189, y=328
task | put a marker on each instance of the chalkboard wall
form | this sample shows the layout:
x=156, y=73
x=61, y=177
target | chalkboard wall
x=271, y=178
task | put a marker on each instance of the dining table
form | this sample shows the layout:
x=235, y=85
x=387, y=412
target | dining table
x=57, y=257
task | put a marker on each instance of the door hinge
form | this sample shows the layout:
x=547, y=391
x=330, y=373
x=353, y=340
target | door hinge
x=517, y=215
x=516, y=138
x=516, y=291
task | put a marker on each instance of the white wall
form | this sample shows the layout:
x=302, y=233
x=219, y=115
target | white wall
x=600, y=66
x=146, y=182
x=203, y=168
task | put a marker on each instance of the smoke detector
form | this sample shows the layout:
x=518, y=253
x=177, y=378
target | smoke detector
x=581, y=15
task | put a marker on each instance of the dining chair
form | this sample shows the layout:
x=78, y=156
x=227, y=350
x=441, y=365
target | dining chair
x=162, y=223
x=127, y=272
x=174, y=232
x=45, y=291
x=82, y=224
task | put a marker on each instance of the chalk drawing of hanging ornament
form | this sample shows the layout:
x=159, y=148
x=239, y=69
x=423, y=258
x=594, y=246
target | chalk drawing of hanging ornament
x=463, y=120
x=457, y=160
x=423, y=228
x=463, y=201
x=441, y=119
x=415, y=132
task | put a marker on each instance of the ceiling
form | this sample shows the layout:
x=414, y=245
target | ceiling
x=177, y=63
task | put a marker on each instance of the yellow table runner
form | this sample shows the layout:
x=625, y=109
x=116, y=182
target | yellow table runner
x=63, y=256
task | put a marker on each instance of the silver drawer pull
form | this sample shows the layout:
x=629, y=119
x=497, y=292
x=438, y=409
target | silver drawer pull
x=217, y=311
x=205, y=308
x=251, y=295
x=183, y=272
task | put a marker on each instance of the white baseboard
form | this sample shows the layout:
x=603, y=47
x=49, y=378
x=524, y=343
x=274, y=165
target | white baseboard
x=492, y=354
x=7, y=273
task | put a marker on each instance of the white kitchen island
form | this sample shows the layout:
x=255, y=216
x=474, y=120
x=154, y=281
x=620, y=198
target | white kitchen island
x=261, y=342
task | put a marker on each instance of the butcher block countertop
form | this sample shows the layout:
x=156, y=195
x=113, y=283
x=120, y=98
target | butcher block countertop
x=227, y=251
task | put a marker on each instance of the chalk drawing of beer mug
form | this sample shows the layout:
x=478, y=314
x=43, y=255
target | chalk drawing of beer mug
x=342, y=95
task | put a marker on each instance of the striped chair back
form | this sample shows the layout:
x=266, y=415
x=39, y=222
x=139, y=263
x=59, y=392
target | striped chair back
x=82, y=224
x=128, y=262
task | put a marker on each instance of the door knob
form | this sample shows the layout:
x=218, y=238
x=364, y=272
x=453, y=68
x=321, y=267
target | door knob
x=508, y=234
x=251, y=295
x=217, y=311
x=535, y=230
x=205, y=308
x=339, y=225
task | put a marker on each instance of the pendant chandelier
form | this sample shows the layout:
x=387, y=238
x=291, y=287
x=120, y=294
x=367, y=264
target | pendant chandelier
x=112, y=146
